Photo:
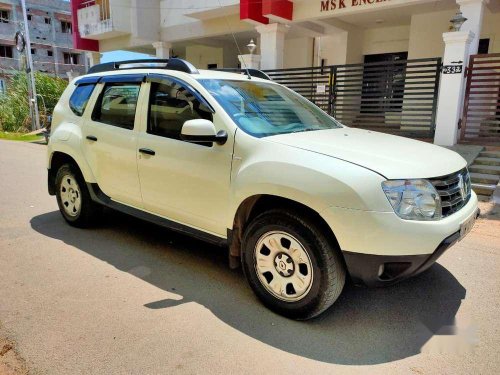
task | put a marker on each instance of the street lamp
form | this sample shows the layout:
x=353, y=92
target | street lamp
x=251, y=46
x=457, y=21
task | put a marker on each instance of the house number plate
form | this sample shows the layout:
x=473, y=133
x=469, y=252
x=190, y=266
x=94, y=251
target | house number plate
x=452, y=69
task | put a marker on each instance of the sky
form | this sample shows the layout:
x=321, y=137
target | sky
x=123, y=55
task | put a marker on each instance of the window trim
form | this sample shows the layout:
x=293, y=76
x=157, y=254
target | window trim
x=68, y=29
x=161, y=79
x=123, y=78
x=7, y=48
x=87, y=80
x=98, y=104
x=71, y=56
x=5, y=19
x=158, y=78
x=86, y=106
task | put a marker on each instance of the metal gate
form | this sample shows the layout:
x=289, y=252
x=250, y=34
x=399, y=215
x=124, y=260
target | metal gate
x=313, y=83
x=398, y=97
x=481, y=116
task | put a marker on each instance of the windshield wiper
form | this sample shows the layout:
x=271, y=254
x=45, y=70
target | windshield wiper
x=305, y=130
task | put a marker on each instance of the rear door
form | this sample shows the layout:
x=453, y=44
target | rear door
x=110, y=143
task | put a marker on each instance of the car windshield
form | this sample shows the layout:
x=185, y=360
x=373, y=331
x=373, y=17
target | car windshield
x=264, y=109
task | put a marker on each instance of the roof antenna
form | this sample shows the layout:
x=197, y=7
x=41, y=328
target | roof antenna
x=235, y=41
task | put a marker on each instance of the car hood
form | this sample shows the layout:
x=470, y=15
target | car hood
x=391, y=156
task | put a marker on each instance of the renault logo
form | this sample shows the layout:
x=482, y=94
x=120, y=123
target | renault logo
x=461, y=186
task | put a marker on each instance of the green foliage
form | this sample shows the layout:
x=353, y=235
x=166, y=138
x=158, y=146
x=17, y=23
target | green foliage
x=20, y=137
x=14, y=105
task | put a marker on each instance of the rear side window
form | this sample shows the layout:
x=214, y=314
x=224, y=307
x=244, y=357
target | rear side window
x=117, y=104
x=79, y=99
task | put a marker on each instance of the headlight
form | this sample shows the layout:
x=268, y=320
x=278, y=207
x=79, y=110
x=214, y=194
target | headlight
x=413, y=199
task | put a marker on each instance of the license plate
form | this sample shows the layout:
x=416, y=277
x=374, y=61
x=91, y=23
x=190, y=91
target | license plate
x=466, y=226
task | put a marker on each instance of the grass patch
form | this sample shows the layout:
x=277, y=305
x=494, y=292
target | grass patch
x=20, y=137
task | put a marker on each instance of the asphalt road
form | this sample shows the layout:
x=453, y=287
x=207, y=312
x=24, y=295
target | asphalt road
x=132, y=298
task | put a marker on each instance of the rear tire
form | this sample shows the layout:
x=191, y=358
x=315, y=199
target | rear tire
x=73, y=198
x=293, y=267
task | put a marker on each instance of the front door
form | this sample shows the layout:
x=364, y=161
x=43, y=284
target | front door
x=110, y=140
x=184, y=182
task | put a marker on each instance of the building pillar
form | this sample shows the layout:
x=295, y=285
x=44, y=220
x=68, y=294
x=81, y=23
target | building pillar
x=473, y=10
x=162, y=49
x=55, y=54
x=72, y=74
x=272, y=45
x=94, y=58
x=249, y=61
x=451, y=90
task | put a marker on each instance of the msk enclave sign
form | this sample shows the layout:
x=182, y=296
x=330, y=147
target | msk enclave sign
x=327, y=5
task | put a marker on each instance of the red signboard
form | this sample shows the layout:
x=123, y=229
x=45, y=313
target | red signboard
x=260, y=11
x=251, y=10
x=281, y=9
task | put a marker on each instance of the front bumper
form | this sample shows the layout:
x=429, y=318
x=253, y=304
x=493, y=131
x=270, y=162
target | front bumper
x=384, y=233
x=380, y=248
x=380, y=270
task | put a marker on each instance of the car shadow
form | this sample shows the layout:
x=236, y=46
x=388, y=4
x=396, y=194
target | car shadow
x=365, y=326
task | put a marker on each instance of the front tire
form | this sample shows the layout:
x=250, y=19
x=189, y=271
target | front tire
x=73, y=198
x=291, y=265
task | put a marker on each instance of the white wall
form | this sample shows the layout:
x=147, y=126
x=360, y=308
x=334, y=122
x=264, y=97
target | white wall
x=120, y=14
x=422, y=39
x=230, y=56
x=143, y=10
x=350, y=47
x=355, y=42
x=200, y=56
x=386, y=40
x=175, y=12
x=298, y=52
x=491, y=29
x=426, y=33
x=340, y=48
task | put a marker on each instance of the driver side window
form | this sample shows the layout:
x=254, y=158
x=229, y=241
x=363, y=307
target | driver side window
x=170, y=105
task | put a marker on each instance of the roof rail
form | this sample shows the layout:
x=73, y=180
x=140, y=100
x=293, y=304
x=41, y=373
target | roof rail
x=250, y=71
x=171, y=64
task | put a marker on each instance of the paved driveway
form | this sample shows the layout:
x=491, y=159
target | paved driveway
x=130, y=297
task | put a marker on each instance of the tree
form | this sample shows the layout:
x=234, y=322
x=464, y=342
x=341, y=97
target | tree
x=14, y=104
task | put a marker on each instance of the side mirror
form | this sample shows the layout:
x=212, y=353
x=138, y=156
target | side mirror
x=201, y=130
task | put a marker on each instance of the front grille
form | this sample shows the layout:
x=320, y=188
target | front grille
x=454, y=190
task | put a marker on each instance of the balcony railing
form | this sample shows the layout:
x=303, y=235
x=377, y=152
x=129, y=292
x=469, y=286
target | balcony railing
x=94, y=19
x=100, y=27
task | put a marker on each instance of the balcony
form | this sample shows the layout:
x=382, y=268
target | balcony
x=95, y=21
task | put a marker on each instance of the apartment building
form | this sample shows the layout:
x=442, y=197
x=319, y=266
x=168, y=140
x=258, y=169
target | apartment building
x=50, y=28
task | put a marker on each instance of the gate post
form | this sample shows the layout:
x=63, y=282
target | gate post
x=332, y=82
x=451, y=90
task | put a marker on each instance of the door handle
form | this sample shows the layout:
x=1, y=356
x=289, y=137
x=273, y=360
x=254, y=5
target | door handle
x=146, y=151
x=91, y=138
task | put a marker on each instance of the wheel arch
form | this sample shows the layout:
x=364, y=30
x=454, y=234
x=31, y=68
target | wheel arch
x=252, y=206
x=58, y=159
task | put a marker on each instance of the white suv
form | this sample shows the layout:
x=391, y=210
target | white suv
x=241, y=161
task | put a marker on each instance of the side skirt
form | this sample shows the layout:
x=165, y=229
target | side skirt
x=101, y=198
